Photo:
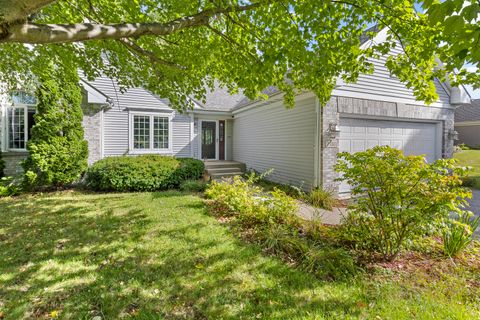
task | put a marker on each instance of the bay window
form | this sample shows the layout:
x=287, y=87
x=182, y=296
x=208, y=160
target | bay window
x=150, y=133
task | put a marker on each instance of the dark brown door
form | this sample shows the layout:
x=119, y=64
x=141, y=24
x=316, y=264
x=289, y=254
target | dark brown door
x=221, y=140
x=209, y=135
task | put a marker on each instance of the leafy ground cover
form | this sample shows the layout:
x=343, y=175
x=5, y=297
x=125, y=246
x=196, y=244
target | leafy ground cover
x=159, y=255
x=470, y=158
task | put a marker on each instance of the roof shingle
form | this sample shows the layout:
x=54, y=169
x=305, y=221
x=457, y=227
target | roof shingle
x=470, y=112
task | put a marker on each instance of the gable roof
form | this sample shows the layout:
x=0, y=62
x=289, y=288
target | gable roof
x=133, y=97
x=468, y=112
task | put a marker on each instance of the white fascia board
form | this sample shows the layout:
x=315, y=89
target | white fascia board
x=211, y=112
x=93, y=95
x=467, y=123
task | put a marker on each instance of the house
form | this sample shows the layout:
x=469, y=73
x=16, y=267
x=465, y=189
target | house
x=300, y=144
x=467, y=123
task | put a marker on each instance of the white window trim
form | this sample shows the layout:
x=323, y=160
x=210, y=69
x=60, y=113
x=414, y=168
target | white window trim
x=151, y=115
x=26, y=108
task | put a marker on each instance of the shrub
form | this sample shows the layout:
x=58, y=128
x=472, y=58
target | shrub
x=399, y=197
x=251, y=204
x=2, y=166
x=459, y=233
x=141, y=173
x=193, y=186
x=322, y=198
x=57, y=151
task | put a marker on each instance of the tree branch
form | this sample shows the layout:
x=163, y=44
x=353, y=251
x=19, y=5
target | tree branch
x=18, y=10
x=132, y=46
x=62, y=33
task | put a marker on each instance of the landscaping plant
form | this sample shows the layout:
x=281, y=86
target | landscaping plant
x=193, y=186
x=142, y=173
x=269, y=218
x=9, y=187
x=398, y=197
x=459, y=233
x=57, y=150
x=321, y=198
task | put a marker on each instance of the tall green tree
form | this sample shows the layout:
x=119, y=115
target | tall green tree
x=177, y=48
x=57, y=149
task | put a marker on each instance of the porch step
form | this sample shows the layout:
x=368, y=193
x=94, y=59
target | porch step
x=223, y=169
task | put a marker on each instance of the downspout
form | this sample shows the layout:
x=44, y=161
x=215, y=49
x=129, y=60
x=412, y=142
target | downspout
x=318, y=159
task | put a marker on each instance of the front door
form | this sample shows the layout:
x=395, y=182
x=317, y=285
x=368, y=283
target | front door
x=209, y=136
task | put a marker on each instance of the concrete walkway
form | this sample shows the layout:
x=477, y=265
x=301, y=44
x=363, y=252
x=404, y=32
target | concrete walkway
x=308, y=212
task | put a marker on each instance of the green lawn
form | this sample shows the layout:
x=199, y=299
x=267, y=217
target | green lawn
x=469, y=158
x=160, y=256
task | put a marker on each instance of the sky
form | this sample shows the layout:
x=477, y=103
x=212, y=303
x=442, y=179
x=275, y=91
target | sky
x=475, y=94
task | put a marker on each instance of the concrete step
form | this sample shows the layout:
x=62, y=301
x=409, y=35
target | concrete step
x=219, y=176
x=235, y=170
x=224, y=164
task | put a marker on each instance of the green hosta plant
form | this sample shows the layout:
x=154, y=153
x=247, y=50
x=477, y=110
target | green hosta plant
x=398, y=197
x=459, y=233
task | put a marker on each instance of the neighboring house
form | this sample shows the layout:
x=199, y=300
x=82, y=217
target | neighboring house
x=300, y=144
x=467, y=124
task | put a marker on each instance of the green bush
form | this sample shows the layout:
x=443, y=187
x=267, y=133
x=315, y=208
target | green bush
x=399, y=197
x=57, y=150
x=193, y=186
x=142, y=173
x=2, y=166
x=253, y=206
x=459, y=233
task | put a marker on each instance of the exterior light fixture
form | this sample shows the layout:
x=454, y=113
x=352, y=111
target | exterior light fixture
x=452, y=135
x=333, y=130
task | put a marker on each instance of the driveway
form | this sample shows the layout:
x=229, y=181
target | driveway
x=475, y=205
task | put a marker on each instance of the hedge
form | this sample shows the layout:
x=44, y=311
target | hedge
x=142, y=173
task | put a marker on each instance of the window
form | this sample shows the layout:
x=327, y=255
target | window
x=150, y=132
x=20, y=120
x=141, y=132
x=160, y=133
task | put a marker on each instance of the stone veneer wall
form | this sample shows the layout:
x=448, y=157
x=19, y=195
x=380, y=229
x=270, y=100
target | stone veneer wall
x=92, y=127
x=13, y=161
x=376, y=109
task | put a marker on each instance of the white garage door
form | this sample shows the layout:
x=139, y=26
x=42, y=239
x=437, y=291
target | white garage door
x=411, y=137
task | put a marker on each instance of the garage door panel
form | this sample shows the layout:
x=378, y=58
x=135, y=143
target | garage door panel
x=414, y=138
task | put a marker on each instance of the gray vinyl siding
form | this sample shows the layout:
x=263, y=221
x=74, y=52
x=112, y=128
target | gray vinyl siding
x=470, y=135
x=382, y=83
x=116, y=118
x=273, y=137
x=181, y=135
x=115, y=130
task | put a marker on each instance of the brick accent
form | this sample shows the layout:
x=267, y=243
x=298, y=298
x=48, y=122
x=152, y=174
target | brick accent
x=92, y=127
x=338, y=106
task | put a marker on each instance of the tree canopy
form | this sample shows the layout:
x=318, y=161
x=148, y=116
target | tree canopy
x=179, y=48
